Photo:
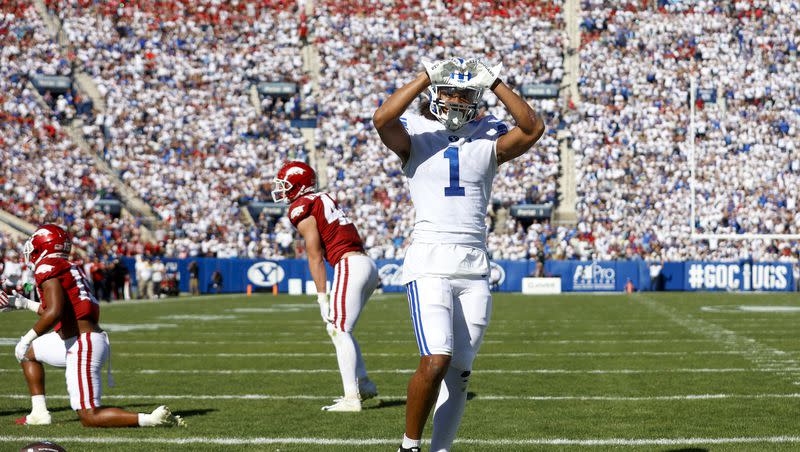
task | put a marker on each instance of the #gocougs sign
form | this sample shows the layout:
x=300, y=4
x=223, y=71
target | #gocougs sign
x=739, y=276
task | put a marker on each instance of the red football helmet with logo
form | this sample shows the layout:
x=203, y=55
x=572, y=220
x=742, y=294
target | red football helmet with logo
x=294, y=179
x=47, y=240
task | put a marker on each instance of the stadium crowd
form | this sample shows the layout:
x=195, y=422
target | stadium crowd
x=185, y=131
x=631, y=132
x=181, y=128
x=45, y=177
x=369, y=51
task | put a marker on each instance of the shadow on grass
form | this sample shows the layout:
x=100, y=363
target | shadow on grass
x=688, y=449
x=59, y=409
x=190, y=413
x=386, y=404
x=383, y=403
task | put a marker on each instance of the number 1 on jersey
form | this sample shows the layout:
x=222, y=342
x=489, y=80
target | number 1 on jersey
x=451, y=153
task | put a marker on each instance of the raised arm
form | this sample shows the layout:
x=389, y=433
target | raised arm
x=529, y=129
x=387, y=117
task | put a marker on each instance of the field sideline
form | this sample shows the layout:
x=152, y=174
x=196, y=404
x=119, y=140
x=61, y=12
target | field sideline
x=586, y=372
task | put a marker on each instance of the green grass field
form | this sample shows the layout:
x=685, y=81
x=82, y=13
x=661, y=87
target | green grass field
x=570, y=372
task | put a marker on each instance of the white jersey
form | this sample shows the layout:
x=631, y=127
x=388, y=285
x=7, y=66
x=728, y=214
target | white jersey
x=450, y=176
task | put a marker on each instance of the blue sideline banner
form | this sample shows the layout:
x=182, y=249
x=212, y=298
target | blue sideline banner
x=237, y=274
x=728, y=276
x=599, y=276
x=505, y=276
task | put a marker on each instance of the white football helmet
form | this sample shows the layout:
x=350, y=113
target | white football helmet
x=455, y=114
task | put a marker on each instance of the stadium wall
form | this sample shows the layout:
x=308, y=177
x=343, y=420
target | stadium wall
x=506, y=276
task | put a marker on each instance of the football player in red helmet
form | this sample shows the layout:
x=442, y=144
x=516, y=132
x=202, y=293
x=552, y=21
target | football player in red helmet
x=77, y=342
x=330, y=235
x=293, y=180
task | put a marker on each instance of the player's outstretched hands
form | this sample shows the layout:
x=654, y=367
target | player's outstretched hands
x=439, y=71
x=480, y=75
x=13, y=301
x=6, y=304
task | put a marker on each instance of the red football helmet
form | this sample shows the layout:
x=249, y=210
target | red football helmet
x=294, y=180
x=48, y=240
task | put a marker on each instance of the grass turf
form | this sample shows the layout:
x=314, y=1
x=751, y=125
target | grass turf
x=570, y=367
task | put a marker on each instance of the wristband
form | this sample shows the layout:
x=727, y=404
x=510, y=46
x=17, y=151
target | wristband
x=496, y=82
x=33, y=306
x=30, y=336
x=322, y=298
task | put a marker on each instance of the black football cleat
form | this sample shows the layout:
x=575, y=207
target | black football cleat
x=410, y=449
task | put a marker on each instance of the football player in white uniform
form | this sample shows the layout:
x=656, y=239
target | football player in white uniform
x=450, y=157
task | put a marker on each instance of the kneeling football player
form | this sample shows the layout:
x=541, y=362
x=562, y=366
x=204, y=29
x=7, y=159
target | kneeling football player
x=330, y=235
x=69, y=308
x=46, y=349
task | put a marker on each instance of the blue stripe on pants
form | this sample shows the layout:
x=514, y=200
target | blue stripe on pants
x=410, y=294
x=419, y=319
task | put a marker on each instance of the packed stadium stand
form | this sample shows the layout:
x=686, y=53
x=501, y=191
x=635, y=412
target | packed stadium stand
x=44, y=175
x=631, y=133
x=183, y=127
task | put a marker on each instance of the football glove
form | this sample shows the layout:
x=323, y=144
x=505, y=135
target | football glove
x=439, y=71
x=24, y=344
x=17, y=301
x=322, y=299
x=6, y=303
x=481, y=76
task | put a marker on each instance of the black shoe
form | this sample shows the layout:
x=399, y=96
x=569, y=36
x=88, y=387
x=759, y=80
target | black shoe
x=412, y=449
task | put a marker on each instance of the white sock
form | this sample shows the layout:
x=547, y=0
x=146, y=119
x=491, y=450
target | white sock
x=38, y=404
x=346, y=356
x=146, y=420
x=408, y=443
x=449, y=409
x=361, y=368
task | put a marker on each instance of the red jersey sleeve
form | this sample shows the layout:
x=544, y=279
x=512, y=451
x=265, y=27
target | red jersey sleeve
x=300, y=209
x=49, y=269
x=336, y=231
x=74, y=283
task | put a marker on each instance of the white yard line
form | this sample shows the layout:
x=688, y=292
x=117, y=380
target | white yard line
x=539, y=398
x=407, y=355
x=395, y=441
x=409, y=371
x=10, y=342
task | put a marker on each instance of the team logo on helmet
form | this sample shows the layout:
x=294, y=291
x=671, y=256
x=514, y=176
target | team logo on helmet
x=294, y=179
x=47, y=240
